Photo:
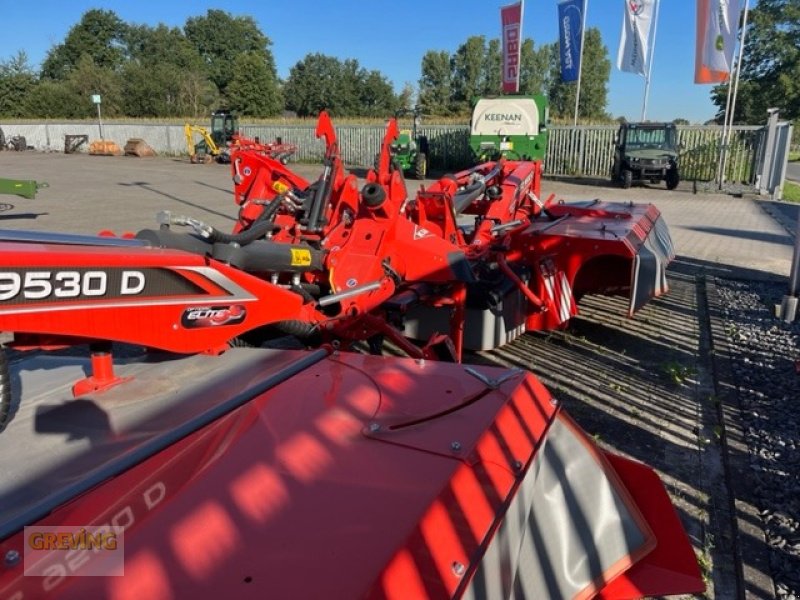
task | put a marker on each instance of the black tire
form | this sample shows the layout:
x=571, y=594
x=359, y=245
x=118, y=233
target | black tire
x=672, y=179
x=421, y=166
x=627, y=178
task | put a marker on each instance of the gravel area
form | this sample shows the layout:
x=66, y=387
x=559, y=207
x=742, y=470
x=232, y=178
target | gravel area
x=764, y=358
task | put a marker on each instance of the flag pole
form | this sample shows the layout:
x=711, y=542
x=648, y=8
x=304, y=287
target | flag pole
x=580, y=61
x=726, y=137
x=521, y=38
x=650, y=62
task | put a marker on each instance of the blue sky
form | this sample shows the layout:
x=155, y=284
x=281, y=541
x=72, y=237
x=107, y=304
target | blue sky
x=392, y=36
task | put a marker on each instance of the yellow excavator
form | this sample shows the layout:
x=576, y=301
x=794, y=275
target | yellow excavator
x=213, y=144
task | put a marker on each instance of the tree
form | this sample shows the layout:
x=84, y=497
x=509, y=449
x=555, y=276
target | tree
x=595, y=72
x=162, y=71
x=376, y=95
x=468, y=72
x=770, y=74
x=100, y=34
x=160, y=45
x=342, y=87
x=435, y=83
x=72, y=97
x=221, y=39
x=17, y=79
x=312, y=85
x=252, y=89
x=405, y=100
x=492, y=70
x=534, y=73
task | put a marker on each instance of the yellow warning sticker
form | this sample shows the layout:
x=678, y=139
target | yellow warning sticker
x=300, y=257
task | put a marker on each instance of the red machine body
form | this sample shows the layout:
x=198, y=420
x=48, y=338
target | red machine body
x=468, y=263
x=277, y=149
x=241, y=475
x=263, y=472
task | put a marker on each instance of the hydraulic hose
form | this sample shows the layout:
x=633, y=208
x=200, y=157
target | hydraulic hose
x=256, y=231
x=260, y=227
x=299, y=329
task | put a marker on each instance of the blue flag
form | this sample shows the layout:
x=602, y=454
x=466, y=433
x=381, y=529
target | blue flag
x=570, y=22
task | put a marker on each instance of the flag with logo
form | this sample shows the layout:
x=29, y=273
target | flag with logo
x=570, y=23
x=511, y=19
x=717, y=27
x=635, y=37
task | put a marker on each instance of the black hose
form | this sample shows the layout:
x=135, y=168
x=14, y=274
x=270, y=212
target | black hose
x=5, y=390
x=463, y=198
x=256, y=231
x=299, y=329
x=260, y=227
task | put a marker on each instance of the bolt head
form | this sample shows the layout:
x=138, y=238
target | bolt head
x=12, y=558
x=455, y=446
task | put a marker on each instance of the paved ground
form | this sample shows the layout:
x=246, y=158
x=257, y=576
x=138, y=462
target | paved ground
x=793, y=171
x=647, y=387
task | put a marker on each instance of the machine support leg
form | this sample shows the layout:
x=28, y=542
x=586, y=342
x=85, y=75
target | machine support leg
x=102, y=375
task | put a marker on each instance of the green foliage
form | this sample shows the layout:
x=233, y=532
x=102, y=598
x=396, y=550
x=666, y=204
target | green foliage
x=492, y=70
x=791, y=191
x=342, y=87
x=595, y=72
x=72, y=97
x=435, y=84
x=252, y=90
x=17, y=79
x=375, y=95
x=451, y=84
x=405, y=100
x=771, y=64
x=534, y=75
x=468, y=73
x=99, y=34
x=221, y=39
x=164, y=75
x=159, y=71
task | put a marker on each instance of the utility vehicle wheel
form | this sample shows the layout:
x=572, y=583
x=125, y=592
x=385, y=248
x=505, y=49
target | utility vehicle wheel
x=421, y=166
x=627, y=178
x=672, y=179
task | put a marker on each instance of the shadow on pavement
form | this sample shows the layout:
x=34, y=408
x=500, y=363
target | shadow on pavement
x=759, y=236
x=147, y=186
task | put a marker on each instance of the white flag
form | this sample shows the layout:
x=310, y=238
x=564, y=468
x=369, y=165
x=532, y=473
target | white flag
x=635, y=37
x=720, y=35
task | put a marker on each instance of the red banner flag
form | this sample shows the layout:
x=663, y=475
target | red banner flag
x=511, y=18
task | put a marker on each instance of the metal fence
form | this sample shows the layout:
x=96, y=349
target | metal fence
x=583, y=151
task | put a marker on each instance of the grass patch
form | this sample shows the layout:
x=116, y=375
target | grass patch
x=794, y=156
x=791, y=191
x=676, y=372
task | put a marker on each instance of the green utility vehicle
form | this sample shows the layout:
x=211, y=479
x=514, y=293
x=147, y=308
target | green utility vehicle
x=513, y=127
x=410, y=150
x=646, y=152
